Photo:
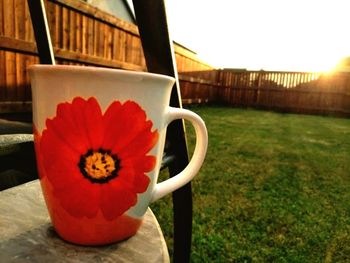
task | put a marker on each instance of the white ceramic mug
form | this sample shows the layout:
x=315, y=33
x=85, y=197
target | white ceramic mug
x=99, y=139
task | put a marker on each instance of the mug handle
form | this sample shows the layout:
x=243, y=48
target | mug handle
x=186, y=175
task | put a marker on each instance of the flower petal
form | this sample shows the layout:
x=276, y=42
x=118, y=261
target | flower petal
x=60, y=162
x=39, y=157
x=110, y=121
x=141, y=183
x=140, y=165
x=123, y=124
x=116, y=199
x=68, y=129
x=81, y=199
x=94, y=123
x=142, y=144
x=126, y=175
x=78, y=108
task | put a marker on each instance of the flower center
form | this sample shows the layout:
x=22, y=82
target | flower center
x=99, y=166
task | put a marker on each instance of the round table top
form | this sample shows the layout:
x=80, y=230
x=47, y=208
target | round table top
x=9, y=143
x=28, y=236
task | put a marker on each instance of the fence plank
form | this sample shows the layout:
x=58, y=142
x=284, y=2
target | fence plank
x=10, y=69
x=3, y=84
x=18, y=16
x=8, y=14
x=65, y=29
x=2, y=19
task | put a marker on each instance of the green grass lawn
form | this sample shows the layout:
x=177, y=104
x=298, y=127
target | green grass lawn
x=274, y=188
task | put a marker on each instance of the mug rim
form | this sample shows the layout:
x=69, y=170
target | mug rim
x=87, y=69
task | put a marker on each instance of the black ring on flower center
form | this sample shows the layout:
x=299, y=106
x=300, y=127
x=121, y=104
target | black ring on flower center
x=82, y=166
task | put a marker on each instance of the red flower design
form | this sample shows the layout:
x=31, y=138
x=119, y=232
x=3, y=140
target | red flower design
x=97, y=161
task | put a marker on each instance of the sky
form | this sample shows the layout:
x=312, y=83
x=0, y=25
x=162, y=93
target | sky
x=298, y=35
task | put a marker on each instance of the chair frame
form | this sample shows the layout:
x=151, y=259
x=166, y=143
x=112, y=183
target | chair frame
x=160, y=58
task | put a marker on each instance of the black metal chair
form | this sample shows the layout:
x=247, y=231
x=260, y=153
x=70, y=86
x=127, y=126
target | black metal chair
x=160, y=58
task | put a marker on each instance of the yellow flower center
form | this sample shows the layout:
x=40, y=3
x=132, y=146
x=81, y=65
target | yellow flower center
x=99, y=166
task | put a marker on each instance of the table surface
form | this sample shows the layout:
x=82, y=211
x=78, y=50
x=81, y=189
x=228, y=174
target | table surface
x=28, y=236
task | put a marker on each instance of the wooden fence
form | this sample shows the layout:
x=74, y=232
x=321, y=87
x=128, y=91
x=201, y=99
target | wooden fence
x=196, y=90
x=81, y=34
x=299, y=92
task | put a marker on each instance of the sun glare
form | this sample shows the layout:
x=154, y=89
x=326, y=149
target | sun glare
x=271, y=35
